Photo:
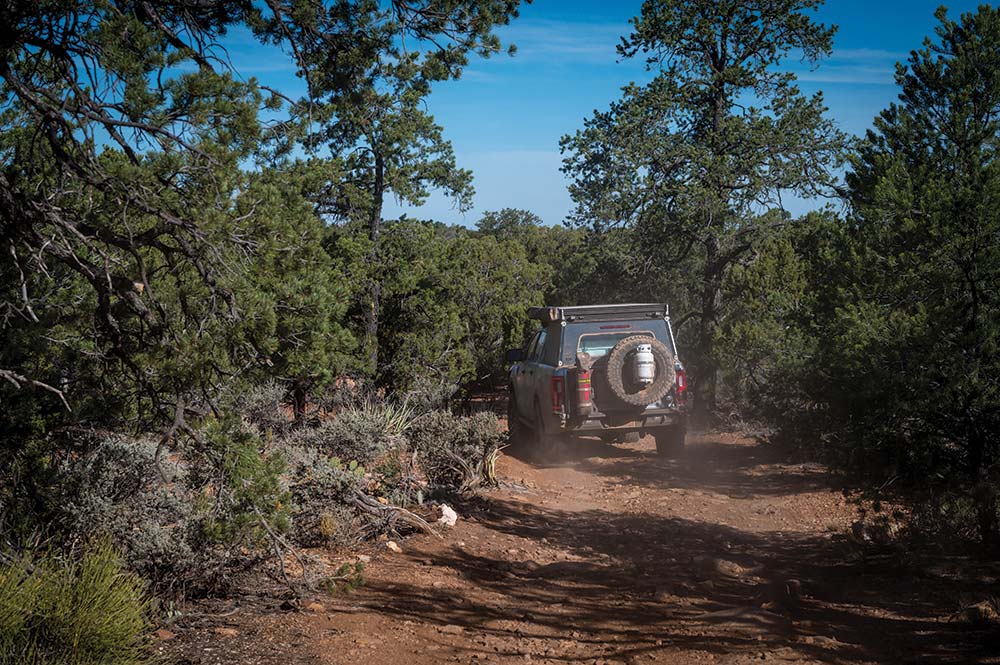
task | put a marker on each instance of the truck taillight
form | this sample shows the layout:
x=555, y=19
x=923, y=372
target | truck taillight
x=583, y=392
x=682, y=386
x=558, y=387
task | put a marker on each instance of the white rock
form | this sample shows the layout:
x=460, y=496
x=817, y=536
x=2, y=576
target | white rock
x=448, y=516
x=394, y=547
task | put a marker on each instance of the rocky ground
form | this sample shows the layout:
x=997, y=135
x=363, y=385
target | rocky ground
x=727, y=554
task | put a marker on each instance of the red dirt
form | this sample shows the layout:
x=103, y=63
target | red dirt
x=725, y=555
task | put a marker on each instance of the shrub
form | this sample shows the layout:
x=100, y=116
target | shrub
x=262, y=406
x=322, y=489
x=189, y=522
x=240, y=487
x=117, y=491
x=361, y=433
x=456, y=453
x=72, y=611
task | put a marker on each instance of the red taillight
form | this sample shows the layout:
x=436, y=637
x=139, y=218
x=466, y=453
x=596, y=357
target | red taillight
x=583, y=393
x=682, y=386
x=558, y=386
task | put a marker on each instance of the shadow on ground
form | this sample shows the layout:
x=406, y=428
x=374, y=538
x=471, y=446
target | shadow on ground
x=638, y=583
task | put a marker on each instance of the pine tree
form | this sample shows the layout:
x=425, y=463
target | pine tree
x=693, y=161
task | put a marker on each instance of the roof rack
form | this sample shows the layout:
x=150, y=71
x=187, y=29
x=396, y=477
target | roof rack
x=600, y=312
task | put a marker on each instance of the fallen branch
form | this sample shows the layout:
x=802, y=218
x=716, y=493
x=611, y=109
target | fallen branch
x=392, y=514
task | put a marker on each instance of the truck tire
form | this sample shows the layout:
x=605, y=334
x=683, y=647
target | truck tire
x=670, y=440
x=517, y=433
x=546, y=447
x=619, y=386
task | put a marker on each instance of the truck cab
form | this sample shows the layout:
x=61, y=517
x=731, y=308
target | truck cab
x=600, y=370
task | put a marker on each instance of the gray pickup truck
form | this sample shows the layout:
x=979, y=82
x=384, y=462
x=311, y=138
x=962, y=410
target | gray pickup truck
x=599, y=370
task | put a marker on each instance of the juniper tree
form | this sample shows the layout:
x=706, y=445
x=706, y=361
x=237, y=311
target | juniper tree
x=919, y=334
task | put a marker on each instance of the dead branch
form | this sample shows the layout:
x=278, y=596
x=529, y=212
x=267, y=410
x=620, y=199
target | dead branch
x=18, y=380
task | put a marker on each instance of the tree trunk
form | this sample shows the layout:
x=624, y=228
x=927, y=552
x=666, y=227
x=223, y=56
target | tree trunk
x=299, y=401
x=984, y=491
x=706, y=377
x=375, y=285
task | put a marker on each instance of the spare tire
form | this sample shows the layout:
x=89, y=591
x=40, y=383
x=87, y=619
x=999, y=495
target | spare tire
x=629, y=392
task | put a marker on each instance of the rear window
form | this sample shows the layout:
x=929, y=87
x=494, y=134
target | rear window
x=599, y=344
x=598, y=337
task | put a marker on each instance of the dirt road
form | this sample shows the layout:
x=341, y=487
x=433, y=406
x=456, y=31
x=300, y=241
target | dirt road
x=724, y=555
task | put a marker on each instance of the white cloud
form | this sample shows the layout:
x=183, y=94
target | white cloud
x=566, y=41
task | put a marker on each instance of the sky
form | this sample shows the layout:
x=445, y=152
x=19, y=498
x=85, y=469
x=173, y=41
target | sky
x=505, y=116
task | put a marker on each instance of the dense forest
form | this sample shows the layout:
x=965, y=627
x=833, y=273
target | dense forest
x=197, y=270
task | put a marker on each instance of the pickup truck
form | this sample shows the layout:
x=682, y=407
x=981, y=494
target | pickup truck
x=599, y=370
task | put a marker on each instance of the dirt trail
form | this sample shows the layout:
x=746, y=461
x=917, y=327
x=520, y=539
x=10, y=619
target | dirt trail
x=725, y=555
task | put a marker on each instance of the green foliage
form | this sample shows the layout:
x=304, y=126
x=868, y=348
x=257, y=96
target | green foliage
x=347, y=578
x=262, y=406
x=145, y=272
x=185, y=522
x=245, y=491
x=925, y=186
x=322, y=492
x=451, y=303
x=72, y=610
x=359, y=434
x=887, y=360
x=767, y=339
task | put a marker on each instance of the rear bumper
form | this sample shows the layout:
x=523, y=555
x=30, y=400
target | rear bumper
x=625, y=422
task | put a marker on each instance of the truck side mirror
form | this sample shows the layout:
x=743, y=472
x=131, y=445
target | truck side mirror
x=514, y=355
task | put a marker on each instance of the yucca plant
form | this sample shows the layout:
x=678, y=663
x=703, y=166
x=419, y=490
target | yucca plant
x=392, y=418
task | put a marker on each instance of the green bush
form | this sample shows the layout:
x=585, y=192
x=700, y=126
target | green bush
x=456, y=453
x=72, y=611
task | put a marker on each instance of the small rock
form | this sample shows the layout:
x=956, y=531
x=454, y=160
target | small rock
x=448, y=516
x=452, y=629
x=315, y=607
x=364, y=558
x=225, y=632
x=393, y=547
x=163, y=635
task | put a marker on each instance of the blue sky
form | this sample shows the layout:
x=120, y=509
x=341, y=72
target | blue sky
x=505, y=116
